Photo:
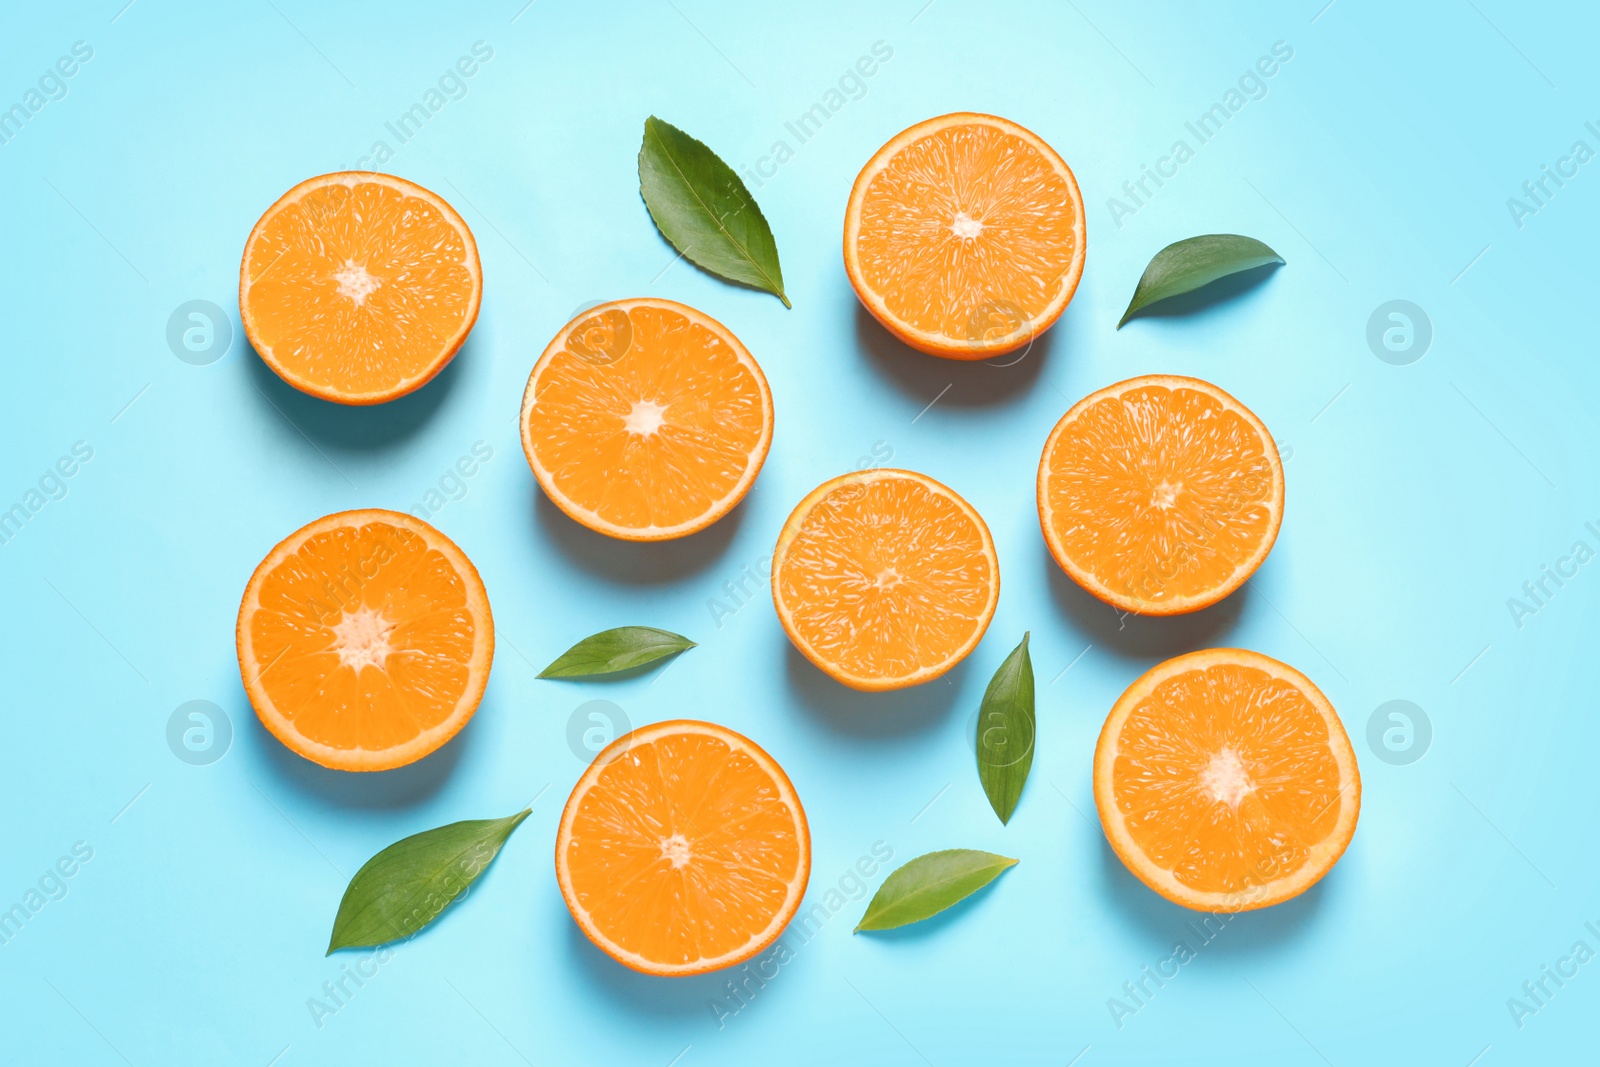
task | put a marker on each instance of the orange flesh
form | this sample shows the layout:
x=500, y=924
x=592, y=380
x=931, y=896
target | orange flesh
x=682, y=852
x=645, y=420
x=359, y=288
x=1162, y=494
x=361, y=640
x=886, y=578
x=1225, y=776
x=969, y=233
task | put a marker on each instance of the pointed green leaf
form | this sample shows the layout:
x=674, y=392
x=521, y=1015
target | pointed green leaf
x=407, y=885
x=1187, y=265
x=1006, y=732
x=615, y=650
x=929, y=884
x=702, y=207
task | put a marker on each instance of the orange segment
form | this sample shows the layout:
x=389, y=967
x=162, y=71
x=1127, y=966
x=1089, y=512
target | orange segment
x=1225, y=781
x=1160, y=494
x=359, y=287
x=682, y=849
x=964, y=236
x=646, y=419
x=365, y=640
x=885, y=578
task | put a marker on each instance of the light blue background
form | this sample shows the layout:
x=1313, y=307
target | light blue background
x=1420, y=498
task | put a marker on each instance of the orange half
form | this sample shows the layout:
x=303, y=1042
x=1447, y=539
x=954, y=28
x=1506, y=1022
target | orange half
x=359, y=287
x=646, y=420
x=885, y=578
x=683, y=849
x=964, y=236
x=1161, y=494
x=365, y=640
x=1225, y=781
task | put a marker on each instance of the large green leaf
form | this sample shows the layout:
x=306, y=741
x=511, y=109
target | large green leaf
x=702, y=207
x=929, y=884
x=1185, y=266
x=615, y=650
x=407, y=885
x=1006, y=732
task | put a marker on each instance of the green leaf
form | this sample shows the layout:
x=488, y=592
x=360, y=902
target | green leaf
x=610, y=651
x=702, y=207
x=1187, y=265
x=1006, y=732
x=407, y=885
x=929, y=884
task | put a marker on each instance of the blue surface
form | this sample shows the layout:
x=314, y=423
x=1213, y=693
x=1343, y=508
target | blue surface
x=1379, y=160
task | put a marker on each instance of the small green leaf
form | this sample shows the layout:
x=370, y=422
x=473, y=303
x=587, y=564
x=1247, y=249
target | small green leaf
x=927, y=885
x=610, y=651
x=1006, y=732
x=407, y=885
x=702, y=207
x=1187, y=265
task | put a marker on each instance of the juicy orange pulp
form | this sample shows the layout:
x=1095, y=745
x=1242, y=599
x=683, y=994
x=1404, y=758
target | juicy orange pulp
x=964, y=236
x=683, y=849
x=365, y=640
x=1160, y=494
x=885, y=578
x=1226, y=781
x=646, y=419
x=359, y=287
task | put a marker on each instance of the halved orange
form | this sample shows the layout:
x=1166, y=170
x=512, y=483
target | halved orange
x=365, y=640
x=1225, y=781
x=1160, y=494
x=645, y=419
x=885, y=578
x=359, y=287
x=683, y=849
x=964, y=236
